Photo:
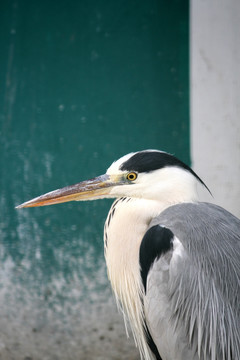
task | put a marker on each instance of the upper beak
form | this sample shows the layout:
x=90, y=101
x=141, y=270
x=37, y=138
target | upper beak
x=98, y=187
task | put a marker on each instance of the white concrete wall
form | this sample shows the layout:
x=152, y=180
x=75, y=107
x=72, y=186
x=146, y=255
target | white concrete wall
x=215, y=98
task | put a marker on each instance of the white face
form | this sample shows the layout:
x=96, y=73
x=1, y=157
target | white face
x=169, y=184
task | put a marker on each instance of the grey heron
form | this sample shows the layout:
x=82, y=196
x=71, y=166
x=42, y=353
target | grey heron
x=173, y=262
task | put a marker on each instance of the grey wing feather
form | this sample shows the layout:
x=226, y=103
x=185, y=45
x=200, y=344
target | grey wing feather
x=203, y=285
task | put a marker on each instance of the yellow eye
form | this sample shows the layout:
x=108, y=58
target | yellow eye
x=131, y=176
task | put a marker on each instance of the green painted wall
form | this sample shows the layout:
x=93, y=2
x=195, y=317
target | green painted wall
x=81, y=84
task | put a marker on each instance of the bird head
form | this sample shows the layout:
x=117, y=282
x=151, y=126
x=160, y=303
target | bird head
x=149, y=174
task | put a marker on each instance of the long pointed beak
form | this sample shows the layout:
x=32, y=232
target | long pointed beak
x=96, y=188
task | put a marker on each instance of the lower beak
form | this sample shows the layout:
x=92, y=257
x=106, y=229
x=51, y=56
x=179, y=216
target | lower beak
x=96, y=188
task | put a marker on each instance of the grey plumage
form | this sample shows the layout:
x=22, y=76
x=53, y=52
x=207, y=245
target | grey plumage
x=202, y=288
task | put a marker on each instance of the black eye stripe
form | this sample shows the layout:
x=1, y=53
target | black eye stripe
x=147, y=161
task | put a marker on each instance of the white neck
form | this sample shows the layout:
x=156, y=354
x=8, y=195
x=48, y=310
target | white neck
x=123, y=237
